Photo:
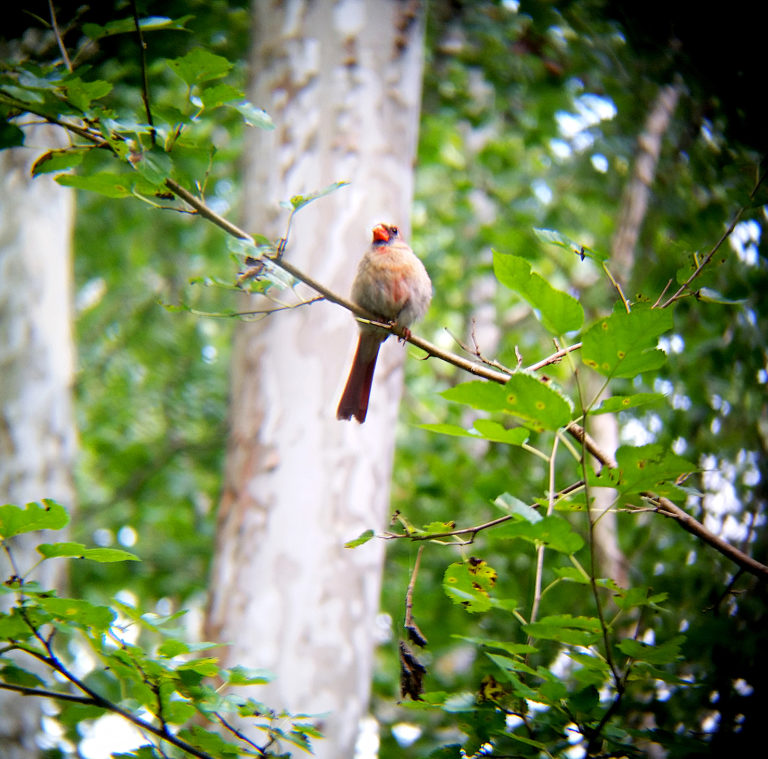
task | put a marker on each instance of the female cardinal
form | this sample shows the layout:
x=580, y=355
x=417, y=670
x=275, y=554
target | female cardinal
x=391, y=283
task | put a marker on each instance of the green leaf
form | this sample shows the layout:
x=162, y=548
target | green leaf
x=469, y=583
x=200, y=65
x=498, y=433
x=437, y=528
x=539, y=404
x=553, y=237
x=209, y=741
x=585, y=700
x=219, y=94
x=10, y=135
x=109, y=555
x=559, y=312
x=639, y=596
x=52, y=550
x=247, y=676
x=81, y=94
x=14, y=626
x=178, y=712
x=11, y=673
x=487, y=396
x=450, y=429
x=463, y=701
x=624, y=344
x=78, y=550
x=639, y=468
x=105, y=183
x=207, y=667
x=623, y=402
x=363, y=538
x=665, y=653
x=299, y=201
x=513, y=664
x=510, y=648
x=171, y=647
x=128, y=26
x=553, y=531
x=79, y=611
x=578, y=631
x=46, y=515
x=154, y=165
x=708, y=295
x=512, y=505
x=254, y=116
x=58, y=160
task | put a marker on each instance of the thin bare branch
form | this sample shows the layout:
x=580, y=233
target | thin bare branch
x=143, y=64
x=682, y=290
x=59, y=39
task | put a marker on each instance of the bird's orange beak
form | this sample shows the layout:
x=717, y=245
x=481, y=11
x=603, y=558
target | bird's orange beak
x=380, y=233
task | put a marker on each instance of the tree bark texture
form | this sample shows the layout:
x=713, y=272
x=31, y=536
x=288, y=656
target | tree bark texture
x=37, y=428
x=342, y=82
x=634, y=206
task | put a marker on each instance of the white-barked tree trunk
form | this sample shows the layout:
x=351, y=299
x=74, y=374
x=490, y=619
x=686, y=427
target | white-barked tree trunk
x=342, y=82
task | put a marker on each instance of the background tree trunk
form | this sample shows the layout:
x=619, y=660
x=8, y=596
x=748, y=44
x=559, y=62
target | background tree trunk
x=605, y=427
x=37, y=432
x=342, y=81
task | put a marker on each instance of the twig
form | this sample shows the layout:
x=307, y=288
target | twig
x=59, y=40
x=617, y=286
x=477, y=353
x=477, y=528
x=551, y=497
x=143, y=65
x=681, y=290
x=554, y=358
x=42, y=693
x=414, y=633
x=583, y=437
x=239, y=734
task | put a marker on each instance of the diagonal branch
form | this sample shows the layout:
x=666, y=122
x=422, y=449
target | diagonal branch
x=477, y=369
x=481, y=370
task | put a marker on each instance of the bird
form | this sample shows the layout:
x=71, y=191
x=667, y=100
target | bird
x=393, y=285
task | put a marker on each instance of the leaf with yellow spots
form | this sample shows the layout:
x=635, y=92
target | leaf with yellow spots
x=469, y=584
x=624, y=344
x=540, y=405
x=640, y=468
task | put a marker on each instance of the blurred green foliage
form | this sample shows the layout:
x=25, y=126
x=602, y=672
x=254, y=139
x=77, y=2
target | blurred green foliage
x=531, y=118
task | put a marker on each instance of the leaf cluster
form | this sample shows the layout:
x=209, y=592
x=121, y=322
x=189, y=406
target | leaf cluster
x=175, y=694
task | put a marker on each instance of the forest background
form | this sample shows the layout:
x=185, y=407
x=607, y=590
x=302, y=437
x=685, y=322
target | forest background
x=585, y=178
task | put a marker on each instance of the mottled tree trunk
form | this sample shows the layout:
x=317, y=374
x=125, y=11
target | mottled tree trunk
x=37, y=433
x=342, y=82
x=605, y=428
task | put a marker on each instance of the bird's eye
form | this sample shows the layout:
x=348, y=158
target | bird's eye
x=395, y=231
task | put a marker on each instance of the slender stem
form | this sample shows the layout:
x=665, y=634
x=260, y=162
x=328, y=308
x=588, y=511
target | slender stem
x=551, y=497
x=143, y=64
x=409, y=591
x=59, y=40
x=43, y=693
x=682, y=289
